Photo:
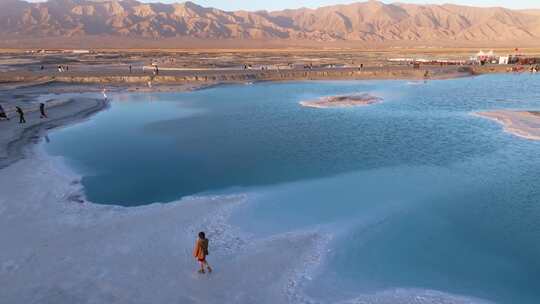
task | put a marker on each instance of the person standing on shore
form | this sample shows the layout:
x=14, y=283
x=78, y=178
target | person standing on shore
x=21, y=115
x=201, y=251
x=130, y=68
x=3, y=114
x=42, y=111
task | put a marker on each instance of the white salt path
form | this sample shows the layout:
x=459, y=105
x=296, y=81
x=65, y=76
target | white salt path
x=57, y=250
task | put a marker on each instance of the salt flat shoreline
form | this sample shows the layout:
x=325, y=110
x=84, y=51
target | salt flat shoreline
x=14, y=137
x=193, y=78
x=524, y=124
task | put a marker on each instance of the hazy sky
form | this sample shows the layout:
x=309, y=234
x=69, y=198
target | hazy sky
x=281, y=4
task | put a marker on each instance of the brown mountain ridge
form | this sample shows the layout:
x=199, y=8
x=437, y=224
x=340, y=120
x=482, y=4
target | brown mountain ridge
x=367, y=22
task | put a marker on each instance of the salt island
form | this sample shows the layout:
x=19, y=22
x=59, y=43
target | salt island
x=525, y=124
x=341, y=101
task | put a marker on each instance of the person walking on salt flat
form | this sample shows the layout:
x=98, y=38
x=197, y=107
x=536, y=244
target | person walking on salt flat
x=21, y=115
x=42, y=111
x=3, y=114
x=201, y=251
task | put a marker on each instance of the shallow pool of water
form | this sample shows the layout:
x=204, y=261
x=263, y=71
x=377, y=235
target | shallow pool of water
x=418, y=192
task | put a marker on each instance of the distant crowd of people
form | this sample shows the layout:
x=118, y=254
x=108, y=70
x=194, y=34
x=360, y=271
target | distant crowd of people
x=20, y=113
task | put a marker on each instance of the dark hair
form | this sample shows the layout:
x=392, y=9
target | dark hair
x=201, y=235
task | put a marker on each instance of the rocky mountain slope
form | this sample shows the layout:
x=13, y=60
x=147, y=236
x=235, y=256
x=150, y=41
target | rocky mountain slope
x=371, y=21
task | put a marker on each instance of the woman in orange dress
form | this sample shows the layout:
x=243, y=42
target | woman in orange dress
x=201, y=251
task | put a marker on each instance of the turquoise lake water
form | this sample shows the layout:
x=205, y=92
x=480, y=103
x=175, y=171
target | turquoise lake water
x=419, y=193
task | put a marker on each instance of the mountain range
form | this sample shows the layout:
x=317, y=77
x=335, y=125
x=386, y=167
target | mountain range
x=362, y=23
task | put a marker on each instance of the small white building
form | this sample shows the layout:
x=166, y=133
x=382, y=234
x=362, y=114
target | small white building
x=504, y=59
x=80, y=52
x=76, y=51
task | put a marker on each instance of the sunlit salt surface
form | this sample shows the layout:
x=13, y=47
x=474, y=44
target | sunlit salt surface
x=419, y=195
